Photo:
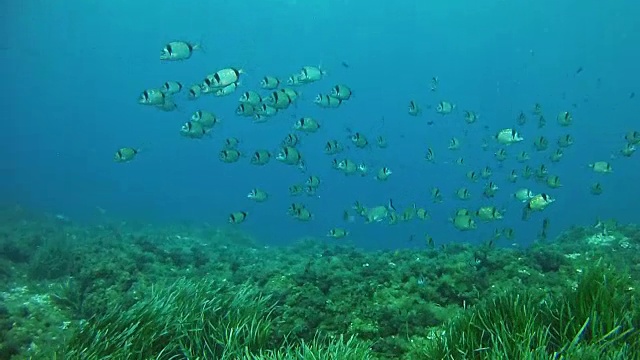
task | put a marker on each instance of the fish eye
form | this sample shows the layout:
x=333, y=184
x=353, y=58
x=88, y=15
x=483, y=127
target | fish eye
x=169, y=49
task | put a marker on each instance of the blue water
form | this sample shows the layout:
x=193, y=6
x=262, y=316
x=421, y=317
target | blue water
x=72, y=71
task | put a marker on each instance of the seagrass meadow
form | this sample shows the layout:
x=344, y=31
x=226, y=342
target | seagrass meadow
x=135, y=291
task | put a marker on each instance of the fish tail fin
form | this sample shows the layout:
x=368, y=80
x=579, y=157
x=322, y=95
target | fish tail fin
x=199, y=46
x=390, y=205
x=323, y=71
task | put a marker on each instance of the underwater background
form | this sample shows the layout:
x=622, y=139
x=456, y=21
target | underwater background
x=73, y=71
x=84, y=235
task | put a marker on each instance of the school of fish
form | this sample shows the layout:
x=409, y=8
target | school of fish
x=273, y=95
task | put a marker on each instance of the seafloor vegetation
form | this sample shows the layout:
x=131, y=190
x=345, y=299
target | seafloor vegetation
x=127, y=291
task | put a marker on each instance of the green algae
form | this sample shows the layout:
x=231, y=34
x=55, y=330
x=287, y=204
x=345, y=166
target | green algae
x=319, y=299
x=186, y=319
x=600, y=316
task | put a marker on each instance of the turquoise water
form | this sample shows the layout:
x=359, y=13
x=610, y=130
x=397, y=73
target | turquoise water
x=72, y=72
